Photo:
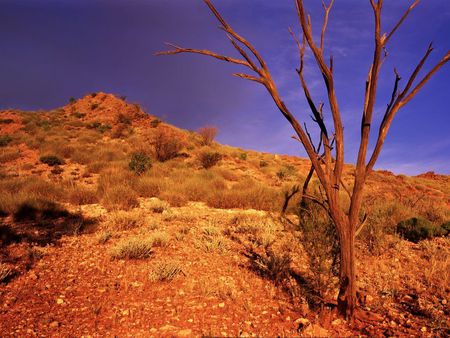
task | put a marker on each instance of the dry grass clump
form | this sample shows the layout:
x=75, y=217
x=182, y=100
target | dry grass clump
x=80, y=195
x=149, y=186
x=9, y=155
x=120, y=198
x=207, y=135
x=166, y=271
x=5, y=272
x=248, y=194
x=104, y=236
x=124, y=220
x=437, y=272
x=159, y=238
x=157, y=206
x=133, y=248
x=211, y=240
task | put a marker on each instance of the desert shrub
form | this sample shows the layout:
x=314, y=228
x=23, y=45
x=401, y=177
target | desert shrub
x=165, y=271
x=139, y=163
x=57, y=170
x=165, y=145
x=175, y=200
x=104, y=236
x=446, y=228
x=6, y=121
x=243, y=156
x=147, y=186
x=10, y=155
x=72, y=100
x=124, y=220
x=155, y=122
x=207, y=135
x=247, y=194
x=51, y=160
x=79, y=115
x=263, y=164
x=124, y=119
x=159, y=238
x=209, y=159
x=94, y=106
x=119, y=197
x=80, y=195
x=321, y=244
x=416, y=229
x=133, y=248
x=157, y=206
x=274, y=266
x=5, y=140
x=6, y=272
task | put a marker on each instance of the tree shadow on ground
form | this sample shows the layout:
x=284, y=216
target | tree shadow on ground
x=37, y=224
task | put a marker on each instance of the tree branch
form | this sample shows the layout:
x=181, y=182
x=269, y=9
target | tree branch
x=416, y=2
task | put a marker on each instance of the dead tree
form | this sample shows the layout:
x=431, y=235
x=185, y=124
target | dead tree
x=329, y=167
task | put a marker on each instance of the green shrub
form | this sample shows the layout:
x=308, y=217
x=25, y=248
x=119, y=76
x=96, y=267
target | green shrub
x=416, y=229
x=51, y=160
x=155, y=122
x=124, y=119
x=446, y=228
x=209, y=159
x=72, y=100
x=243, y=156
x=5, y=140
x=140, y=163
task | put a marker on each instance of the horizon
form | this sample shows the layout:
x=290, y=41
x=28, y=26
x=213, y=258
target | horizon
x=191, y=91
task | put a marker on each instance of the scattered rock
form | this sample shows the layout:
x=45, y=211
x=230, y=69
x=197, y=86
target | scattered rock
x=337, y=322
x=316, y=331
x=60, y=301
x=54, y=324
x=167, y=327
x=221, y=305
x=184, y=333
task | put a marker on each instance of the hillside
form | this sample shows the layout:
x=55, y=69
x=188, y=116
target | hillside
x=110, y=224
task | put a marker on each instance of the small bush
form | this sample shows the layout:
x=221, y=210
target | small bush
x=57, y=170
x=243, y=156
x=209, y=159
x=274, y=266
x=133, y=248
x=51, y=160
x=207, y=134
x=94, y=106
x=140, y=163
x=6, y=121
x=417, y=229
x=5, y=272
x=124, y=119
x=104, y=237
x=446, y=228
x=79, y=115
x=120, y=197
x=165, y=145
x=125, y=220
x=5, y=140
x=155, y=123
x=159, y=238
x=72, y=100
x=263, y=164
x=165, y=271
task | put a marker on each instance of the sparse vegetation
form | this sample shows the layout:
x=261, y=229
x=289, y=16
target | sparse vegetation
x=417, y=229
x=5, y=140
x=166, y=271
x=133, y=248
x=209, y=159
x=207, y=134
x=51, y=160
x=139, y=163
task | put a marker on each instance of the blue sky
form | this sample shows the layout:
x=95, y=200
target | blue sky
x=51, y=50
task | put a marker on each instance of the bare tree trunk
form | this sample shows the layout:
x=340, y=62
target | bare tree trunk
x=347, y=283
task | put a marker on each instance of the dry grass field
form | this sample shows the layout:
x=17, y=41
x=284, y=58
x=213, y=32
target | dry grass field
x=114, y=223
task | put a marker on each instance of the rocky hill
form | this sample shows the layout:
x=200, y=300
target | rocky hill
x=113, y=222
